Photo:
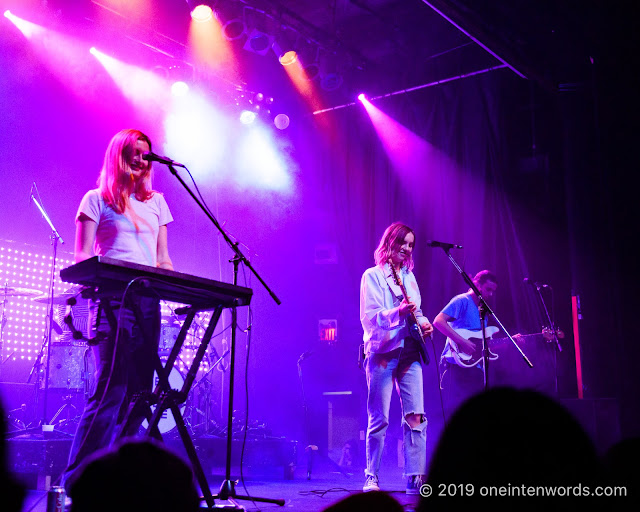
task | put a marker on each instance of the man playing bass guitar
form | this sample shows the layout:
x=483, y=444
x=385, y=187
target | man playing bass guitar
x=457, y=380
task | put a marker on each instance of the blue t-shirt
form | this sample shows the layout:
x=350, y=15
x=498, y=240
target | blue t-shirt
x=465, y=315
x=464, y=312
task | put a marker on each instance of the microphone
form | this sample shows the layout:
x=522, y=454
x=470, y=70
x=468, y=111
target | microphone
x=152, y=157
x=304, y=355
x=537, y=284
x=444, y=245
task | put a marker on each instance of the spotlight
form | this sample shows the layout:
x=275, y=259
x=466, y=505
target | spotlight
x=331, y=76
x=362, y=97
x=312, y=71
x=331, y=82
x=284, y=48
x=247, y=117
x=308, y=56
x=179, y=89
x=288, y=58
x=200, y=12
x=258, y=42
x=233, y=29
x=281, y=121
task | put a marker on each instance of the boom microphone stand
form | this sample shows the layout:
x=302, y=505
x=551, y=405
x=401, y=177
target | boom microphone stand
x=227, y=489
x=55, y=237
x=484, y=311
x=551, y=324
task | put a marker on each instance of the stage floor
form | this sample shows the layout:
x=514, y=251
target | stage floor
x=300, y=494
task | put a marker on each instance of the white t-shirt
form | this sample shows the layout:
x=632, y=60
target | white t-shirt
x=132, y=236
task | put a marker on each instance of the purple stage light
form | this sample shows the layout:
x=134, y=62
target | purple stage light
x=247, y=117
x=281, y=121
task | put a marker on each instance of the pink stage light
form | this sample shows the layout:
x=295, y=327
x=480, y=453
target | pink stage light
x=202, y=13
x=403, y=147
x=362, y=97
x=146, y=90
x=27, y=28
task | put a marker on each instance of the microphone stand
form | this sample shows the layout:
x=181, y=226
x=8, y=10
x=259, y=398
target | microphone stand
x=309, y=448
x=553, y=330
x=55, y=237
x=484, y=310
x=227, y=489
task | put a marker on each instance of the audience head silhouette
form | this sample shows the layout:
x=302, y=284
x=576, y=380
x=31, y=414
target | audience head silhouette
x=134, y=476
x=512, y=439
x=376, y=501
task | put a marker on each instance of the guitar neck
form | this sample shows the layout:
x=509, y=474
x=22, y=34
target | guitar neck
x=413, y=314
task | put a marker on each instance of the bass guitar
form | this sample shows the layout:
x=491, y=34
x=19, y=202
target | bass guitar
x=467, y=360
x=414, y=327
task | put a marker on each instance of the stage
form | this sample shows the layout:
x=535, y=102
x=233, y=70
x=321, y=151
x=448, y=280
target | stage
x=325, y=487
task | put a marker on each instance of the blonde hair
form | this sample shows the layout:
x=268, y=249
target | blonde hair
x=115, y=175
x=391, y=241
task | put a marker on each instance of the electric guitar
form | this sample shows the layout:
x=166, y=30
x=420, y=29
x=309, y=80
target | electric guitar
x=467, y=360
x=414, y=327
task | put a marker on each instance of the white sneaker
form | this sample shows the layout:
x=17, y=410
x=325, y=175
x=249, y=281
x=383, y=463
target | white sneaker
x=414, y=483
x=371, y=484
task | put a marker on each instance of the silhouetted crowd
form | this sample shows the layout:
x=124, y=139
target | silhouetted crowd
x=506, y=448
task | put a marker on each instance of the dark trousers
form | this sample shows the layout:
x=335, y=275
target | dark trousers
x=458, y=384
x=119, y=377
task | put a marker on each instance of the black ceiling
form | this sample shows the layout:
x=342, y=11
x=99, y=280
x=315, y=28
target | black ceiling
x=385, y=45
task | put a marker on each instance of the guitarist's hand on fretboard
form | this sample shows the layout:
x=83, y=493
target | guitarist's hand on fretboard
x=407, y=308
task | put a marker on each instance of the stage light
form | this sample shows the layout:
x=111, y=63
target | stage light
x=7, y=13
x=247, y=117
x=201, y=13
x=331, y=81
x=258, y=42
x=311, y=71
x=331, y=78
x=233, y=29
x=288, y=58
x=362, y=97
x=179, y=88
x=281, y=121
x=284, y=48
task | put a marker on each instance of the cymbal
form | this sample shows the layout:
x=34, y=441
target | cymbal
x=60, y=298
x=19, y=292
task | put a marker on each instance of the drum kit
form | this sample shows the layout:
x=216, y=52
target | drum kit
x=10, y=291
x=72, y=363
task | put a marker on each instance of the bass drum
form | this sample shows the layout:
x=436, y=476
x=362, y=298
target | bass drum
x=167, y=423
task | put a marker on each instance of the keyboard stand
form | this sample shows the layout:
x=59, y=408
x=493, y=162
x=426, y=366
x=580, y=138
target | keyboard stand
x=166, y=398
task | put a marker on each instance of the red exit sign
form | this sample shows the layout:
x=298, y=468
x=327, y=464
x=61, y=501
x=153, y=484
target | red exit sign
x=328, y=330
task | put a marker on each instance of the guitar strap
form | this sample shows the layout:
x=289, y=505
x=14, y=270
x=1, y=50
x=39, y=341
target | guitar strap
x=397, y=297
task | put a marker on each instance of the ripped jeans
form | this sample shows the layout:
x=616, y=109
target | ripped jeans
x=403, y=367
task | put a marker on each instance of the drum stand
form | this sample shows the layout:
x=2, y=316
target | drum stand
x=67, y=406
x=208, y=422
